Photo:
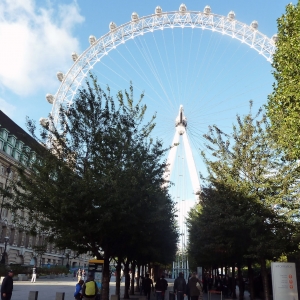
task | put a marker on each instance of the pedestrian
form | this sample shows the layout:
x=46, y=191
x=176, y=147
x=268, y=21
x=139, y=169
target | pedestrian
x=161, y=287
x=79, y=274
x=7, y=286
x=148, y=283
x=33, y=278
x=83, y=275
x=180, y=287
x=141, y=283
x=78, y=290
x=195, y=288
x=187, y=287
x=89, y=289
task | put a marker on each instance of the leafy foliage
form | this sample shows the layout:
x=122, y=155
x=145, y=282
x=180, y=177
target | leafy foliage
x=99, y=187
x=284, y=103
x=250, y=205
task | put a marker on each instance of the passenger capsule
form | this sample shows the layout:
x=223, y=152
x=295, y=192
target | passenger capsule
x=158, y=10
x=254, y=25
x=275, y=38
x=207, y=9
x=74, y=56
x=134, y=17
x=231, y=15
x=112, y=26
x=92, y=40
x=60, y=76
x=44, y=122
x=182, y=8
x=50, y=98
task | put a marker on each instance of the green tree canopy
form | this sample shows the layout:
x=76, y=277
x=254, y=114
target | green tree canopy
x=98, y=185
x=284, y=103
x=250, y=205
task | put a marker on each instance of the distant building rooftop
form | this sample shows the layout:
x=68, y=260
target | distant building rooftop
x=17, y=131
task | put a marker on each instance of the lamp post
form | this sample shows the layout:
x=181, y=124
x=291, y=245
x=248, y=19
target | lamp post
x=8, y=170
x=4, y=253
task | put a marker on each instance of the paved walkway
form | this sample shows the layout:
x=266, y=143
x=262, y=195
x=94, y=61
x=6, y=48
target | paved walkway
x=47, y=289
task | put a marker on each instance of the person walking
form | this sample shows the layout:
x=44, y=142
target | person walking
x=180, y=287
x=79, y=274
x=78, y=291
x=7, y=286
x=195, y=288
x=89, y=289
x=148, y=283
x=33, y=278
x=161, y=287
x=141, y=284
x=83, y=273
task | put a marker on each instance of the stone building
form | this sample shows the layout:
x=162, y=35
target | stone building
x=20, y=244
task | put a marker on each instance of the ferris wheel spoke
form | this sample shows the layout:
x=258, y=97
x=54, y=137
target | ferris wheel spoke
x=165, y=72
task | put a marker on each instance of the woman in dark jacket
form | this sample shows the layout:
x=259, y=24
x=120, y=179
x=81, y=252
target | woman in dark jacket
x=195, y=292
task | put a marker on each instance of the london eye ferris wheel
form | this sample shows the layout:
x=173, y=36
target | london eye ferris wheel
x=197, y=69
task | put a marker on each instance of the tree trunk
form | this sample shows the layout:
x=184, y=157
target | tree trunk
x=233, y=282
x=241, y=282
x=137, y=288
x=127, y=279
x=132, y=278
x=105, y=279
x=264, y=275
x=118, y=278
x=250, y=276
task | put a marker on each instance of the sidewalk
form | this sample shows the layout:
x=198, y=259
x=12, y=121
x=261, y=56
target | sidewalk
x=47, y=289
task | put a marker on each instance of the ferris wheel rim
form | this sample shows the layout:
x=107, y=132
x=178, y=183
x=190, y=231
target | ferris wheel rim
x=164, y=20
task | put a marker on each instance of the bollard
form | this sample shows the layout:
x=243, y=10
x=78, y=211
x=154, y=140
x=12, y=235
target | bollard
x=33, y=295
x=60, y=296
x=171, y=295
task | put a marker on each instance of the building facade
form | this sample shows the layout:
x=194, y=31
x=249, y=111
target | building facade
x=16, y=245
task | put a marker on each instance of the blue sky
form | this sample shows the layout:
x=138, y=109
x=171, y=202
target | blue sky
x=213, y=75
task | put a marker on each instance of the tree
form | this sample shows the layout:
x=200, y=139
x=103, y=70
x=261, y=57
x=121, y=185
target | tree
x=255, y=192
x=101, y=175
x=284, y=103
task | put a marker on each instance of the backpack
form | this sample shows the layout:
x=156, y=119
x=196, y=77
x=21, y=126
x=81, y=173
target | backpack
x=90, y=288
x=159, y=285
x=180, y=284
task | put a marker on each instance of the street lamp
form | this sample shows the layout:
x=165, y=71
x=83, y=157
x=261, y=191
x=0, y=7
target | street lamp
x=4, y=253
x=8, y=170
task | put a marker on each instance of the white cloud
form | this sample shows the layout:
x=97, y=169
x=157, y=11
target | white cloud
x=7, y=108
x=35, y=43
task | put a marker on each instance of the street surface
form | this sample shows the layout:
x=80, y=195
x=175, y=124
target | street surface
x=47, y=289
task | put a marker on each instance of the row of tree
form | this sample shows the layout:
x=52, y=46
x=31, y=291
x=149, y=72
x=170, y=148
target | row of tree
x=249, y=206
x=97, y=183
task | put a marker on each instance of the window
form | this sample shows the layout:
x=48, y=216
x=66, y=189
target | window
x=12, y=236
x=19, y=145
x=27, y=239
x=4, y=134
x=20, y=238
x=1, y=145
x=17, y=155
x=8, y=150
x=12, y=140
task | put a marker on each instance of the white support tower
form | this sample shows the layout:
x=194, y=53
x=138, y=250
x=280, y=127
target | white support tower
x=181, y=124
x=181, y=264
